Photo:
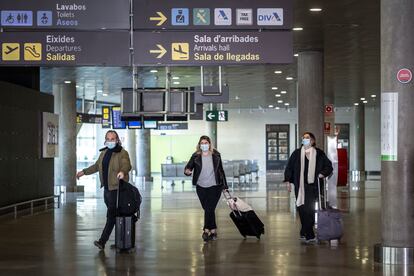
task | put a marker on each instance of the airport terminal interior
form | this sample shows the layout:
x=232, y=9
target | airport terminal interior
x=253, y=76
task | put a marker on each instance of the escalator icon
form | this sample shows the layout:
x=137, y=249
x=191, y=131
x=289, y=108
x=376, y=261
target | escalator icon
x=33, y=51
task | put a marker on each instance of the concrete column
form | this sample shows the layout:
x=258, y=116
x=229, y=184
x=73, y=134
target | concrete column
x=65, y=164
x=310, y=94
x=144, y=153
x=358, y=147
x=131, y=147
x=397, y=188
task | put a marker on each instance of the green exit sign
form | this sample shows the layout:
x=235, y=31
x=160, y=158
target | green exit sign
x=217, y=116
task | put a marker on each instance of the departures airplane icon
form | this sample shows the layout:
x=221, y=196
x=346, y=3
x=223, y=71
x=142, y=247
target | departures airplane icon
x=10, y=49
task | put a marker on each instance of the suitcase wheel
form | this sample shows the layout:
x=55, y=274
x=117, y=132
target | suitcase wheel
x=244, y=237
x=258, y=237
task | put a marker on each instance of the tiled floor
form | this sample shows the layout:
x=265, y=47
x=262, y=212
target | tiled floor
x=169, y=242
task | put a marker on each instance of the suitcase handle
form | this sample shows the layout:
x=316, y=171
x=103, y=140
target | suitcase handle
x=324, y=192
x=228, y=196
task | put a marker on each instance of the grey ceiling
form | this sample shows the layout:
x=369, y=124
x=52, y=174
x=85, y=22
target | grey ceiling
x=347, y=31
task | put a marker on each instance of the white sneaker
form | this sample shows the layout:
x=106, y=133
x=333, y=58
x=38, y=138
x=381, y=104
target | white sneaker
x=311, y=241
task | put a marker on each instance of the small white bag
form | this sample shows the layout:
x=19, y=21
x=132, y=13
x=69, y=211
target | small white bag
x=236, y=204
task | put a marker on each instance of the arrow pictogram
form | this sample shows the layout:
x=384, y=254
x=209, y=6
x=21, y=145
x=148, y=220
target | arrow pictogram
x=161, y=51
x=161, y=18
x=211, y=116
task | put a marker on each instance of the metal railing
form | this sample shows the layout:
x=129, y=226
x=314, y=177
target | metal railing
x=31, y=202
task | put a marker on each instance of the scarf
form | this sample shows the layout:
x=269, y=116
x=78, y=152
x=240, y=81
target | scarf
x=311, y=172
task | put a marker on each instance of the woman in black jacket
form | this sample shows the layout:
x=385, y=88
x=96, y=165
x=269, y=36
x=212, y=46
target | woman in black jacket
x=305, y=167
x=208, y=176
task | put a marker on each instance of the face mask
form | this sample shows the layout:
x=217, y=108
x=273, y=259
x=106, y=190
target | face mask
x=204, y=147
x=110, y=145
x=306, y=142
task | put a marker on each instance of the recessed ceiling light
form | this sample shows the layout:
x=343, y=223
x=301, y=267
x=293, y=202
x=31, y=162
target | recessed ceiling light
x=287, y=104
x=296, y=55
x=283, y=92
x=373, y=96
x=237, y=98
x=279, y=101
x=277, y=95
x=315, y=9
x=365, y=102
x=362, y=99
x=356, y=103
x=275, y=88
x=68, y=81
x=298, y=29
x=271, y=105
x=278, y=72
x=176, y=82
x=104, y=94
x=99, y=91
x=77, y=86
x=289, y=78
x=175, y=78
x=277, y=108
x=154, y=71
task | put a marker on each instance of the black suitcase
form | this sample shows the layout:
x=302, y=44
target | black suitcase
x=124, y=228
x=125, y=233
x=248, y=223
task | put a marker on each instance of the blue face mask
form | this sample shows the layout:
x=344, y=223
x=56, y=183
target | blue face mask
x=306, y=142
x=110, y=145
x=204, y=147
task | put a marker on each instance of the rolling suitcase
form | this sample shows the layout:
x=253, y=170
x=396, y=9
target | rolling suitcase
x=243, y=216
x=329, y=220
x=124, y=228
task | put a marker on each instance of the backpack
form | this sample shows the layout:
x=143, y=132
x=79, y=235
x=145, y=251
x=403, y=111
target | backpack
x=129, y=199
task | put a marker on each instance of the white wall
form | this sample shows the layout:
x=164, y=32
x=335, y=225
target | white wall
x=244, y=136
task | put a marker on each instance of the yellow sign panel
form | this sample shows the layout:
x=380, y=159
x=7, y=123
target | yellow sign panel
x=11, y=51
x=106, y=116
x=33, y=51
x=180, y=51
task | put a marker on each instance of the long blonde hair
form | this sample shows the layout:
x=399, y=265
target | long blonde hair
x=204, y=137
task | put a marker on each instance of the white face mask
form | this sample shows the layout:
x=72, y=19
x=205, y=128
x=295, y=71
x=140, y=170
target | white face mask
x=110, y=145
x=204, y=147
x=306, y=142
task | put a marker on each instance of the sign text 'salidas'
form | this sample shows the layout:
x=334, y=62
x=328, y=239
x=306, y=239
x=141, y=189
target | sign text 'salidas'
x=219, y=48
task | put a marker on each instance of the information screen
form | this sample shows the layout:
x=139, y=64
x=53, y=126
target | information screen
x=134, y=124
x=117, y=123
x=150, y=124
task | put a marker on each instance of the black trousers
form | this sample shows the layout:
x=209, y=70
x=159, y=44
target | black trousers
x=110, y=202
x=307, y=211
x=209, y=198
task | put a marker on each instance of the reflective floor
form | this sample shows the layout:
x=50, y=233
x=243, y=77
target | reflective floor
x=59, y=242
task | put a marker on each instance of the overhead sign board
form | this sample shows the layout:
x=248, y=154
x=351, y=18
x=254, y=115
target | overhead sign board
x=52, y=14
x=213, y=14
x=217, y=116
x=64, y=49
x=172, y=126
x=106, y=117
x=84, y=118
x=212, y=48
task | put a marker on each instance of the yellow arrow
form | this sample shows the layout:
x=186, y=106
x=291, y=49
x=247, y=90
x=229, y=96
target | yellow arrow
x=162, y=18
x=161, y=51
